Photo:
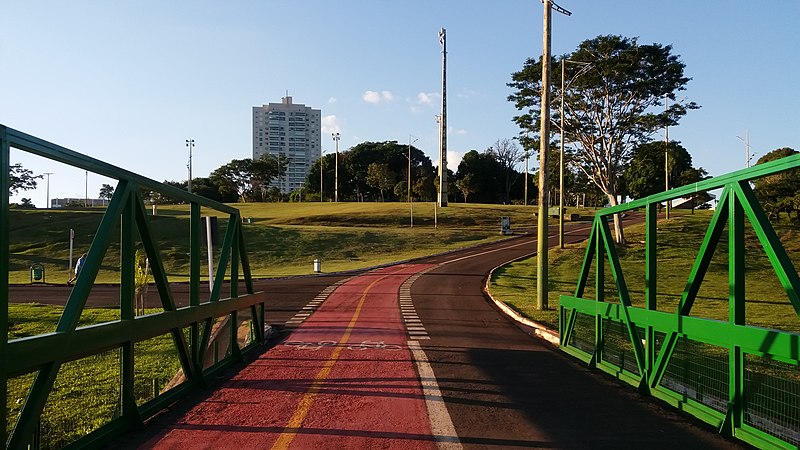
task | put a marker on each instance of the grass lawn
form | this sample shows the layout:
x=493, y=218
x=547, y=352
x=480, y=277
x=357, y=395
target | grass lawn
x=86, y=391
x=282, y=238
x=678, y=244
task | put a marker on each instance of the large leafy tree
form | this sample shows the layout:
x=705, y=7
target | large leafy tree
x=645, y=173
x=395, y=155
x=248, y=179
x=612, y=106
x=779, y=192
x=508, y=155
x=380, y=177
x=21, y=179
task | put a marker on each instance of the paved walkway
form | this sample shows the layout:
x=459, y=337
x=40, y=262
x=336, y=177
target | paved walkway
x=345, y=378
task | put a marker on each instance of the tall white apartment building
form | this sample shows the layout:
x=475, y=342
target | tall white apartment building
x=290, y=130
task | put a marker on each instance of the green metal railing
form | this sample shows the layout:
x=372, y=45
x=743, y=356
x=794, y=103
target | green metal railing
x=190, y=327
x=740, y=378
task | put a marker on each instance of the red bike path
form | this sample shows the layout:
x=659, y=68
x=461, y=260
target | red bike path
x=345, y=378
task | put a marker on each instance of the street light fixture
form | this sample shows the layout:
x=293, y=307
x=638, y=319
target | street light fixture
x=336, y=137
x=190, y=144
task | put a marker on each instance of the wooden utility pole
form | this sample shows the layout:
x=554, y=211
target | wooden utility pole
x=544, y=144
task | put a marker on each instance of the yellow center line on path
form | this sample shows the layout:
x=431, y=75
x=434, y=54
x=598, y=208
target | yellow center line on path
x=303, y=408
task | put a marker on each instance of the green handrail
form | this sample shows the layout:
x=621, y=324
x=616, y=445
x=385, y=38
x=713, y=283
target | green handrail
x=45, y=354
x=646, y=328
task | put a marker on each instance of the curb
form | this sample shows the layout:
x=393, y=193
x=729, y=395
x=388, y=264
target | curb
x=534, y=329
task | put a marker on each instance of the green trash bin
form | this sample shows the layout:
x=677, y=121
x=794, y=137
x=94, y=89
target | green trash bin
x=37, y=273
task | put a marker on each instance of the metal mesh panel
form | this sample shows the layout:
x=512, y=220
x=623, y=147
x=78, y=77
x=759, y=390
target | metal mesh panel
x=617, y=347
x=772, y=402
x=700, y=372
x=157, y=367
x=583, y=333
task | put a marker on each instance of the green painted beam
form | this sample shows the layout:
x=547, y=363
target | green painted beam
x=30, y=353
x=5, y=167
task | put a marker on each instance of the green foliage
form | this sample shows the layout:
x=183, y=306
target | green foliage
x=106, y=191
x=21, y=179
x=466, y=185
x=645, y=173
x=779, y=193
x=612, y=106
x=354, y=171
x=380, y=177
x=248, y=178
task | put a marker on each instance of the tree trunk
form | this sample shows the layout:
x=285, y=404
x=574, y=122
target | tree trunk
x=618, y=230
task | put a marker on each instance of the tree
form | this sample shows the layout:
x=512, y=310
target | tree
x=21, y=179
x=610, y=108
x=466, y=185
x=645, y=173
x=380, y=177
x=263, y=170
x=234, y=177
x=779, y=192
x=106, y=191
x=26, y=203
x=508, y=155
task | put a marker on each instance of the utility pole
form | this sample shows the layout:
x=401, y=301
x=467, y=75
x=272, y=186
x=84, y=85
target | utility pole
x=544, y=143
x=443, y=124
x=48, y=188
x=336, y=137
x=190, y=144
x=320, y=176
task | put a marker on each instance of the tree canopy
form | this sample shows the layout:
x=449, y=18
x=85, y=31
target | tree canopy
x=779, y=193
x=645, y=173
x=613, y=103
x=21, y=179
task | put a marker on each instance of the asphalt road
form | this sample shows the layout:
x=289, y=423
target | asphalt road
x=501, y=387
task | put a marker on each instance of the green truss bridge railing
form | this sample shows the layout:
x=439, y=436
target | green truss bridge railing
x=740, y=378
x=192, y=329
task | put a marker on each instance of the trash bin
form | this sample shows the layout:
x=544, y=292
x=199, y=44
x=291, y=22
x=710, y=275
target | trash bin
x=317, y=265
x=37, y=273
x=505, y=225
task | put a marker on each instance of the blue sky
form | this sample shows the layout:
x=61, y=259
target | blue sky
x=129, y=81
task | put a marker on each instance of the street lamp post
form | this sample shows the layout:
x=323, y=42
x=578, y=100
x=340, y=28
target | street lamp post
x=666, y=157
x=336, y=137
x=320, y=177
x=190, y=144
x=746, y=141
x=411, y=140
x=48, y=189
x=527, y=156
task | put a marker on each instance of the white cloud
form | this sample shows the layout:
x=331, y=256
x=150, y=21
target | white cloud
x=371, y=97
x=453, y=160
x=332, y=100
x=376, y=97
x=427, y=98
x=330, y=125
x=461, y=132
